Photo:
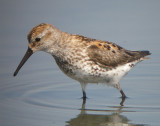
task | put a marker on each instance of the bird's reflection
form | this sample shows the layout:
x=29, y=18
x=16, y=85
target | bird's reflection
x=112, y=118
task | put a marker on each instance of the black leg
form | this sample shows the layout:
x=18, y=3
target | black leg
x=122, y=93
x=123, y=97
x=123, y=100
x=84, y=95
x=83, y=85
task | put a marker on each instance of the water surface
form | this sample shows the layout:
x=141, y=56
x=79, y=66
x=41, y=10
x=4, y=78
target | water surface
x=41, y=95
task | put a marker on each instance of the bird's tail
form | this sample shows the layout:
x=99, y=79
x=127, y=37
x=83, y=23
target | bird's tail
x=144, y=53
x=135, y=55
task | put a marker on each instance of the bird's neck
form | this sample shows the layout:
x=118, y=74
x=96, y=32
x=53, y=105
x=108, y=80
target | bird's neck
x=59, y=44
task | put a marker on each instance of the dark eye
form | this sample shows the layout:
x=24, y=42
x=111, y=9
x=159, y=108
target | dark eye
x=38, y=39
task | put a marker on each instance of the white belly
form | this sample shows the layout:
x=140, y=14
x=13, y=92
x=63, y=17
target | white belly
x=110, y=77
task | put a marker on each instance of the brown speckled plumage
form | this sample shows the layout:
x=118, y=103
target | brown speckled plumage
x=81, y=58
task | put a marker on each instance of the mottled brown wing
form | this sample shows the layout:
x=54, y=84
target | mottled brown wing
x=110, y=55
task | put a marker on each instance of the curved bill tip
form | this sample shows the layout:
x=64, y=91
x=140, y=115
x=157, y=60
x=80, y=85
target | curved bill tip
x=26, y=56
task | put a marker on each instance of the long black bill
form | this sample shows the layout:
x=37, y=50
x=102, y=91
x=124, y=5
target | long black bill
x=26, y=56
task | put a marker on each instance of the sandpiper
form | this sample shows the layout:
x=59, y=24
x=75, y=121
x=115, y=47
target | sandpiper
x=81, y=58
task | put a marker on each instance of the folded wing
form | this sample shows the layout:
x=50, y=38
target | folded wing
x=108, y=54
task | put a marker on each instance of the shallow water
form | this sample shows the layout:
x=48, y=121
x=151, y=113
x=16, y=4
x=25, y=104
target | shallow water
x=33, y=99
x=41, y=95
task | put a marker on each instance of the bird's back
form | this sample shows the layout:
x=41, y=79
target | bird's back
x=91, y=60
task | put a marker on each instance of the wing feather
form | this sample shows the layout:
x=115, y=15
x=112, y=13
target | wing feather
x=108, y=54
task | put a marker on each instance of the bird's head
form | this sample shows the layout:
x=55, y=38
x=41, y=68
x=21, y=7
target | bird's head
x=40, y=38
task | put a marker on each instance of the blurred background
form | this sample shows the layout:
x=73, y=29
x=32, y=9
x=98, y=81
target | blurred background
x=134, y=25
x=131, y=24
